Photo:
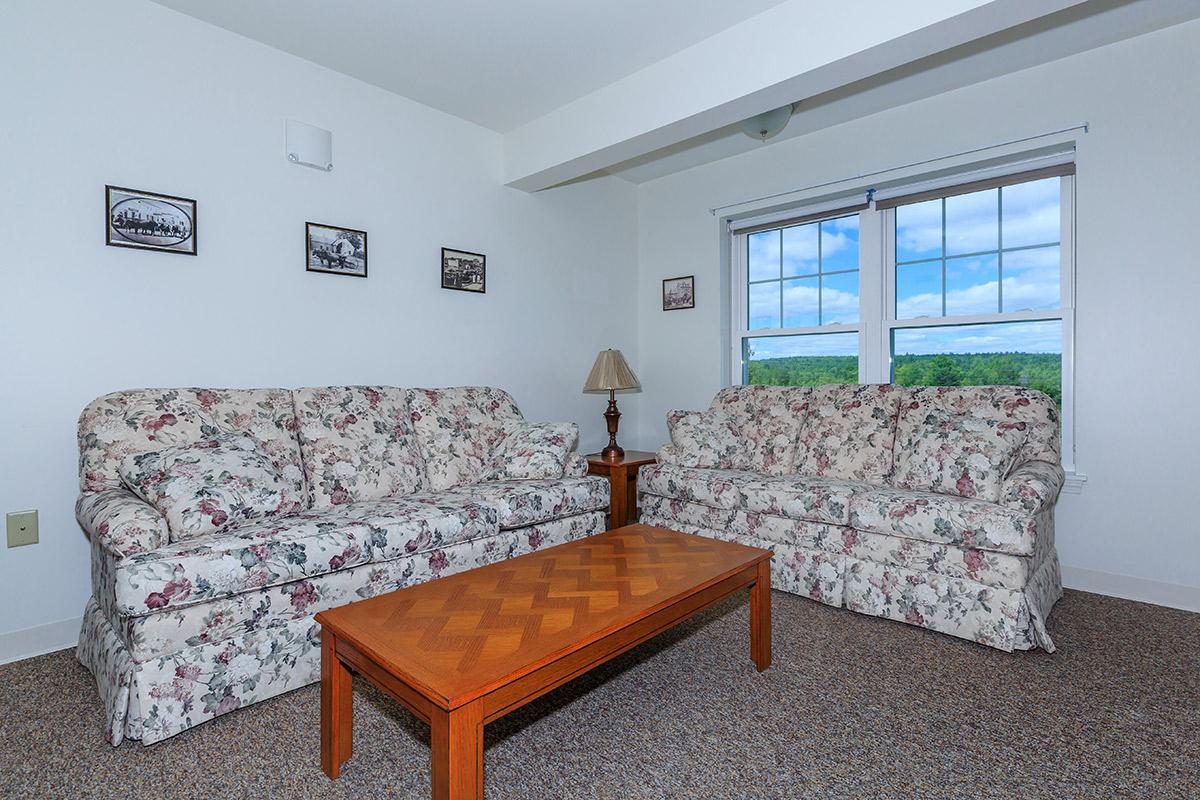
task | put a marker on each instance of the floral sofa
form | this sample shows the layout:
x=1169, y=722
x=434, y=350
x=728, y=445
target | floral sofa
x=927, y=505
x=369, y=489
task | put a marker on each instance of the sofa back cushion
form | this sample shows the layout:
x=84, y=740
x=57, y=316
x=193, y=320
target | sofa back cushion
x=704, y=439
x=458, y=430
x=139, y=420
x=768, y=419
x=932, y=416
x=848, y=432
x=210, y=486
x=357, y=443
x=959, y=454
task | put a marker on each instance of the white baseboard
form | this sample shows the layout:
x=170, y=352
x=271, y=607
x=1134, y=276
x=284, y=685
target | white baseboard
x=30, y=642
x=1172, y=595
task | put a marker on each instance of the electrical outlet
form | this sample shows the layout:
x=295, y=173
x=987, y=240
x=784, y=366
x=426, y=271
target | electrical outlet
x=22, y=528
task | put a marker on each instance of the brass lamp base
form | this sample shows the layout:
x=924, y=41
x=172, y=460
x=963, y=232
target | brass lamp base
x=612, y=417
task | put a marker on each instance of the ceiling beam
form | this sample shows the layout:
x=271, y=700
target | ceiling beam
x=798, y=49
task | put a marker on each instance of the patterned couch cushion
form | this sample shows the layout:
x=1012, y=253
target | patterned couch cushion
x=768, y=418
x=252, y=557
x=848, y=432
x=707, y=439
x=532, y=450
x=210, y=486
x=135, y=421
x=528, y=502
x=458, y=430
x=285, y=549
x=960, y=521
x=959, y=454
x=802, y=497
x=1022, y=409
x=357, y=443
x=719, y=488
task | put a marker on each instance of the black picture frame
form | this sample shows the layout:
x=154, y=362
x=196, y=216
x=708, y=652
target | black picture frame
x=679, y=297
x=141, y=220
x=453, y=275
x=326, y=256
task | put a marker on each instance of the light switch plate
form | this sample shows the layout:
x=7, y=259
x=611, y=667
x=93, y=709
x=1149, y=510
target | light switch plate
x=22, y=528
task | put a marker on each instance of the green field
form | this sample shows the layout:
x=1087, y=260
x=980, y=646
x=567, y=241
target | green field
x=1042, y=371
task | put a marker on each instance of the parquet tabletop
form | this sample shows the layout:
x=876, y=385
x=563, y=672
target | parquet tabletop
x=456, y=638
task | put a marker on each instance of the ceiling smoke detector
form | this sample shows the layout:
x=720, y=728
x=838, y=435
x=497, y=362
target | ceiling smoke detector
x=765, y=125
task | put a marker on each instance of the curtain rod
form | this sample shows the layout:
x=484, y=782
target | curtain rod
x=1083, y=126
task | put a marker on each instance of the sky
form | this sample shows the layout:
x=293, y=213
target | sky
x=973, y=247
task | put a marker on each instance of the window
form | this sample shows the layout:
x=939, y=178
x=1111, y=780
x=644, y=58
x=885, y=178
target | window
x=956, y=286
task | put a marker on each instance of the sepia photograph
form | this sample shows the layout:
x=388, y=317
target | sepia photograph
x=149, y=221
x=337, y=251
x=679, y=293
x=463, y=271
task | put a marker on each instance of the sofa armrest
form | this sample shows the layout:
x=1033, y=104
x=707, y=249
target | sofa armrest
x=121, y=522
x=577, y=466
x=1033, y=486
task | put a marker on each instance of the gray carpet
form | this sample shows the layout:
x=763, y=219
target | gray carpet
x=853, y=707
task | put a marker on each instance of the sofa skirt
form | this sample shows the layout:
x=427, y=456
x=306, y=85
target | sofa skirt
x=153, y=698
x=1005, y=618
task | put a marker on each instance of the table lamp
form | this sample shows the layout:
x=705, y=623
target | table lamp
x=609, y=373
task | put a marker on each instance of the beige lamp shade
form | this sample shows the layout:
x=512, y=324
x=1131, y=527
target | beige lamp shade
x=610, y=372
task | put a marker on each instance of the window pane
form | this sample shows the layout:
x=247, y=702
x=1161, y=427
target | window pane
x=919, y=231
x=800, y=254
x=1015, y=353
x=800, y=303
x=972, y=285
x=839, y=244
x=1031, y=213
x=919, y=290
x=839, y=298
x=802, y=360
x=1031, y=279
x=764, y=305
x=763, y=255
x=972, y=222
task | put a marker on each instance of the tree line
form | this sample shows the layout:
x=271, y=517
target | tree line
x=1041, y=371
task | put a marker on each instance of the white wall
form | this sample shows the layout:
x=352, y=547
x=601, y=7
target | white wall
x=129, y=93
x=1137, y=274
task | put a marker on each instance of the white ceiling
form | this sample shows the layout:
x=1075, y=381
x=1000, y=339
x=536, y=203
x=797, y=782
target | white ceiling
x=498, y=64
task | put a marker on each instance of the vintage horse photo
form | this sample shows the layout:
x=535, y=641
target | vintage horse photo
x=338, y=251
x=149, y=221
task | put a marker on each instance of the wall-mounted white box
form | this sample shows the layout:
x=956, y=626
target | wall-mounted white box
x=309, y=145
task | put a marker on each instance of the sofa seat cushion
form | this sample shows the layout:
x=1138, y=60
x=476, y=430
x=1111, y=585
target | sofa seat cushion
x=405, y=526
x=255, y=556
x=528, y=502
x=719, y=488
x=960, y=521
x=803, y=497
x=286, y=549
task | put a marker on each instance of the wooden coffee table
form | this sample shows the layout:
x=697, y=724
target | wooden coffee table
x=464, y=650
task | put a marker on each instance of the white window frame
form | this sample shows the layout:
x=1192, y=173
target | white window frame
x=877, y=306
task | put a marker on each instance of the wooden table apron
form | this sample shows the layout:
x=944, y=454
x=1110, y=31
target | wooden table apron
x=456, y=732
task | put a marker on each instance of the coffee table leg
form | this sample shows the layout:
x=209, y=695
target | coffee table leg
x=456, y=739
x=760, y=617
x=337, y=708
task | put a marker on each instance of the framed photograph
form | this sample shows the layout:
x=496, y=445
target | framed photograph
x=149, y=221
x=679, y=293
x=337, y=251
x=464, y=271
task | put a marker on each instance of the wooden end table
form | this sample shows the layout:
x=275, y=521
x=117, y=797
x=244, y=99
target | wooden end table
x=464, y=650
x=622, y=478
